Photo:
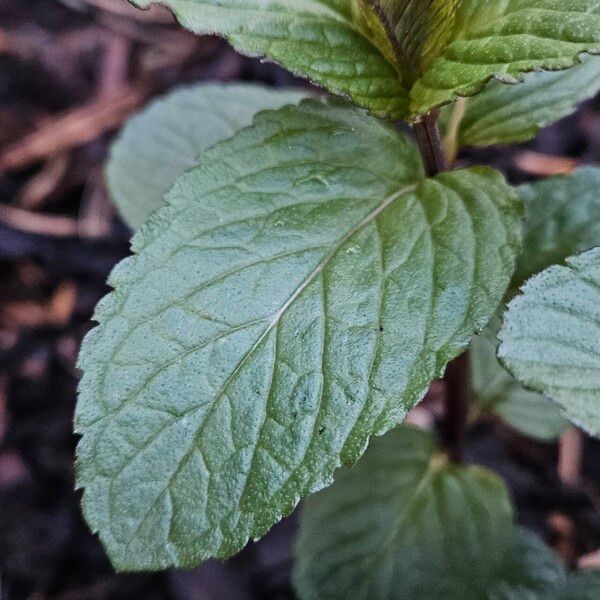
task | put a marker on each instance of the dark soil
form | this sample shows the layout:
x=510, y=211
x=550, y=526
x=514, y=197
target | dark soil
x=59, y=238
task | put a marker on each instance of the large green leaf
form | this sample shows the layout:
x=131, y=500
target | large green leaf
x=405, y=524
x=299, y=292
x=165, y=140
x=338, y=44
x=562, y=218
x=551, y=337
x=504, y=39
x=508, y=114
x=497, y=391
x=402, y=58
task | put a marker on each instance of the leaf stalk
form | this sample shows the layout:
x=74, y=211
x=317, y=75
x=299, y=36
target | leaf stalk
x=457, y=377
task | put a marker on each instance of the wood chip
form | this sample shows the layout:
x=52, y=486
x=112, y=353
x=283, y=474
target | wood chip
x=73, y=128
x=544, y=165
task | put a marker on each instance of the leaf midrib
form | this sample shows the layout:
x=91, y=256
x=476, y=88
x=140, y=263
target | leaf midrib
x=370, y=217
x=277, y=316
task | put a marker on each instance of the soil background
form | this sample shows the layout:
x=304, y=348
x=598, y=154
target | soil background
x=71, y=72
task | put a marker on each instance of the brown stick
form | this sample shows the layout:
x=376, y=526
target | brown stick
x=458, y=391
x=430, y=144
x=457, y=378
x=71, y=129
x=50, y=225
x=570, y=456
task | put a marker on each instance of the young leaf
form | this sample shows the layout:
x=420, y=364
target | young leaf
x=418, y=30
x=551, y=337
x=498, y=391
x=338, y=44
x=295, y=296
x=509, y=114
x=165, y=140
x=504, y=39
x=407, y=524
x=562, y=218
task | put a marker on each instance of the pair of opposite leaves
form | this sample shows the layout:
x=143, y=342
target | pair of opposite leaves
x=402, y=58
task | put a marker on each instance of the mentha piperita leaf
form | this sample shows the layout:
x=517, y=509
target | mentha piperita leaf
x=402, y=58
x=503, y=39
x=407, y=524
x=562, y=218
x=509, y=114
x=338, y=44
x=496, y=391
x=295, y=296
x=164, y=140
x=550, y=339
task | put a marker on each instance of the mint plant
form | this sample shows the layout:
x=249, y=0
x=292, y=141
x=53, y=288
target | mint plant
x=302, y=270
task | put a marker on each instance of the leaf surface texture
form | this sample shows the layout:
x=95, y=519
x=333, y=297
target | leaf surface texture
x=295, y=296
x=402, y=58
x=164, y=140
x=550, y=339
x=405, y=524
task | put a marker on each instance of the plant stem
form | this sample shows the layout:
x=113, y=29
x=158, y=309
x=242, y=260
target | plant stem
x=430, y=144
x=457, y=378
x=451, y=141
x=458, y=390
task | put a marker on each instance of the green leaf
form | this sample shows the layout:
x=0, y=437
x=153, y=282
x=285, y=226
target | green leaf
x=551, y=338
x=509, y=114
x=406, y=524
x=562, y=218
x=163, y=141
x=298, y=294
x=373, y=51
x=418, y=30
x=338, y=44
x=504, y=39
x=497, y=391
x=584, y=585
x=531, y=570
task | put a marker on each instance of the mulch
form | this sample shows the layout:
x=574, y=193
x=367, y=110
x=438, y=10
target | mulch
x=71, y=73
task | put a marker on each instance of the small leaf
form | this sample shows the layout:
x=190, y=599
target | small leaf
x=419, y=30
x=498, y=391
x=531, y=570
x=551, y=337
x=406, y=524
x=165, y=140
x=584, y=585
x=562, y=218
x=504, y=40
x=295, y=296
x=509, y=114
x=337, y=44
